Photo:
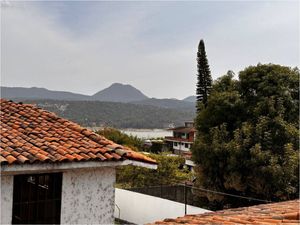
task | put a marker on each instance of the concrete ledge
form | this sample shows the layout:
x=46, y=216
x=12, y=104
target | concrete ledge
x=57, y=167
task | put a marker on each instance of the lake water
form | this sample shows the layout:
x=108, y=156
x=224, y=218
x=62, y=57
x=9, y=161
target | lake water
x=142, y=133
x=147, y=133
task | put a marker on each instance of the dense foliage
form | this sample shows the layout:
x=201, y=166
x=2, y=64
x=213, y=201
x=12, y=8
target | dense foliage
x=169, y=172
x=247, y=140
x=118, y=137
x=204, y=82
x=113, y=114
x=169, y=169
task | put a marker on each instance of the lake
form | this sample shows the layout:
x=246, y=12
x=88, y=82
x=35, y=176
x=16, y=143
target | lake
x=142, y=133
x=147, y=133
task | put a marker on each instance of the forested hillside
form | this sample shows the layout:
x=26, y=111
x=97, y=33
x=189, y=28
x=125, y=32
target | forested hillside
x=166, y=103
x=120, y=115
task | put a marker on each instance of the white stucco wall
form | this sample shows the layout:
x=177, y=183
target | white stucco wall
x=141, y=209
x=88, y=196
x=181, y=146
x=6, y=199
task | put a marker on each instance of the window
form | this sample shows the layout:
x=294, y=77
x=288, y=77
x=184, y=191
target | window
x=186, y=145
x=37, y=198
x=175, y=143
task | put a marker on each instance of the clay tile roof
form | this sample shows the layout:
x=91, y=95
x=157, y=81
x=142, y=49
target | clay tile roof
x=273, y=213
x=183, y=129
x=30, y=134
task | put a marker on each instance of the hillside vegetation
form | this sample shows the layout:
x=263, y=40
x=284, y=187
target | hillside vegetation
x=113, y=114
x=248, y=135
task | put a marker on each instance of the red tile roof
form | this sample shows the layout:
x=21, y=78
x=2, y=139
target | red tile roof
x=274, y=213
x=30, y=134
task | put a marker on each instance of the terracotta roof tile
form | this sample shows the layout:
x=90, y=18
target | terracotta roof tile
x=183, y=129
x=2, y=159
x=30, y=134
x=22, y=159
x=274, y=213
x=101, y=156
x=10, y=159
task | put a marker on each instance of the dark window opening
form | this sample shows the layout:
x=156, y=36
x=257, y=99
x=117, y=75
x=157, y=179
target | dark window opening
x=37, y=198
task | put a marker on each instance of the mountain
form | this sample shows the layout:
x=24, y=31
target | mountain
x=119, y=93
x=166, y=103
x=39, y=93
x=191, y=98
x=115, y=93
x=110, y=107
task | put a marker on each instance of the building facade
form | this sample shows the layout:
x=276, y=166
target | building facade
x=72, y=196
x=182, y=139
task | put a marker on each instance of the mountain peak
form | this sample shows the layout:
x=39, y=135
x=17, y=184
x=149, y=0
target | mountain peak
x=117, y=85
x=118, y=92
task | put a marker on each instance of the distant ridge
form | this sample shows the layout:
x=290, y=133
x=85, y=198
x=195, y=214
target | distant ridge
x=119, y=93
x=39, y=93
x=122, y=93
x=115, y=93
x=191, y=98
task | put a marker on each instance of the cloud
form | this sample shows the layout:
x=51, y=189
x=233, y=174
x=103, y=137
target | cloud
x=38, y=52
x=267, y=33
x=84, y=48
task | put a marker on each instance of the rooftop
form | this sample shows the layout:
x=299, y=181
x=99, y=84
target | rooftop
x=32, y=135
x=183, y=129
x=273, y=213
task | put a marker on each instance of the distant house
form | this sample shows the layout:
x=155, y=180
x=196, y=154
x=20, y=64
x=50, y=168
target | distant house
x=182, y=139
x=54, y=171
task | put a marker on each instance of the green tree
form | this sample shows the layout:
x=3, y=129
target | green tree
x=120, y=138
x=168, y=170
x=167, y=173
x=204, y=76
x=248, y=135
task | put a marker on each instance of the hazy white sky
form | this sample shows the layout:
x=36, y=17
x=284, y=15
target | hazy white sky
x=84, y=47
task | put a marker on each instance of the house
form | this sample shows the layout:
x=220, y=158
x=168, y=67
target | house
x=182, y=139
x=286, y=212
x=54, y=171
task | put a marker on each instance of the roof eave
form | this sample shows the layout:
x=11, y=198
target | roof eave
x=63, y=166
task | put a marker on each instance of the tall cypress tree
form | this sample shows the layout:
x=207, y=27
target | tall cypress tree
x=204, y=76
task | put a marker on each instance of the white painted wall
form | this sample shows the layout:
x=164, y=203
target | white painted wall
x=140, y=209
x=6, y=199
x=181, y=146
x=88, y=196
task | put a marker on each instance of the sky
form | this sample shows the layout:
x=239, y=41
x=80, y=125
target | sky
x=84, y=47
